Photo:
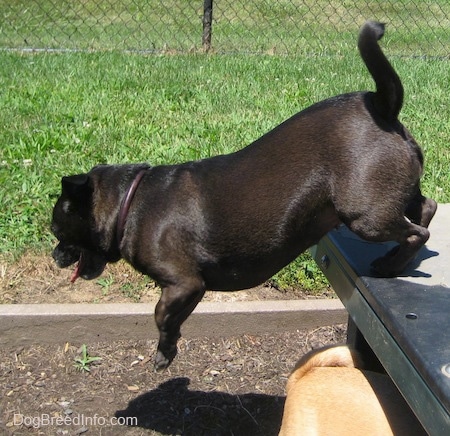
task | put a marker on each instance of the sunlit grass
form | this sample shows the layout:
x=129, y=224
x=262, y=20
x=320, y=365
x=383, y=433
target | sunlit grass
x=64, y=113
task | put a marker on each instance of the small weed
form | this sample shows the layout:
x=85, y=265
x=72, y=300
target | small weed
x=82, y=363
x=303, y=273
x=129, y=290
x=105, y=283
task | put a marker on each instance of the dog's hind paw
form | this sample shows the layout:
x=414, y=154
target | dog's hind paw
x=388, y=265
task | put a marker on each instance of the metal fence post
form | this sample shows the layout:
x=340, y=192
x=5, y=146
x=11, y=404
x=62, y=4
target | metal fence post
x=207, y=24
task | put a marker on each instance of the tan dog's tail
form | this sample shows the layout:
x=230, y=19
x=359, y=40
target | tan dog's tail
x=333, y=355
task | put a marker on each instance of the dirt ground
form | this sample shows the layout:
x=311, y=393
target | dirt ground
x=36, y=279
x=222, y=386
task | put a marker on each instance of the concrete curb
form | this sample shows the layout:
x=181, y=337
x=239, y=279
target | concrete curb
x=28, y=324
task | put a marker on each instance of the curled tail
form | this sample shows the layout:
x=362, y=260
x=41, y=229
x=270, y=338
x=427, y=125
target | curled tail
x=333, y=355
x=388, y=98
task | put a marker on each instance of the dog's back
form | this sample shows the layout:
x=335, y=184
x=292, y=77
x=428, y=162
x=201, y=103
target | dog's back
x=329, y=394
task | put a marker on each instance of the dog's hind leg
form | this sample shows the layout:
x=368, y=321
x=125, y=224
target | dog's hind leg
x=176, y=303
x=388, y=223
x=411, y=239
x=421, y=210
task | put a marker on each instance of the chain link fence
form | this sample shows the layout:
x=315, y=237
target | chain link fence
x=415, y=27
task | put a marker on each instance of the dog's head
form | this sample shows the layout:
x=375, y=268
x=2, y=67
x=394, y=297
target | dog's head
x=73, y=224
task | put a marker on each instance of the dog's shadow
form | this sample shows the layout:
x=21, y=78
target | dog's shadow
x=172, y=408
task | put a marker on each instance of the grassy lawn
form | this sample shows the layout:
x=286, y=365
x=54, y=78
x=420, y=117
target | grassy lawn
x=62, y=113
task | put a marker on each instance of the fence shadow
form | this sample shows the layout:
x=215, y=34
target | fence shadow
x=172, y=408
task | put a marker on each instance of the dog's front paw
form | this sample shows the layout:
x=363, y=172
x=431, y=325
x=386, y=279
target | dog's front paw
x=162, y=361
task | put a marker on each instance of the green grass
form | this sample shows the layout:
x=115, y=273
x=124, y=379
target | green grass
x=64, y=113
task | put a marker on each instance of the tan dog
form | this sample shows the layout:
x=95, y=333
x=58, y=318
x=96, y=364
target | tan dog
x=328, y=394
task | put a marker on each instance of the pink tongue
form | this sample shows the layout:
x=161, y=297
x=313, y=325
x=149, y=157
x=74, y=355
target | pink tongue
x=77, y=270
x=75, y=274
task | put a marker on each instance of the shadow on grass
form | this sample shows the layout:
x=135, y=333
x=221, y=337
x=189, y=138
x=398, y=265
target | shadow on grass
x=172, y=408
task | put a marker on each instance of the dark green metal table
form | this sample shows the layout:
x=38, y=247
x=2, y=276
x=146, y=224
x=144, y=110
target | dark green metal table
x=405, y=321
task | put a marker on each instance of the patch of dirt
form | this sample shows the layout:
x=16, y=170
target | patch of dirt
x=36, y=279
x=225, y=386
x=229, y=386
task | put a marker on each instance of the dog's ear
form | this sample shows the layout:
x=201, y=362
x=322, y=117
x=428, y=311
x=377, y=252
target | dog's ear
x=77, y=186
x=76, y=194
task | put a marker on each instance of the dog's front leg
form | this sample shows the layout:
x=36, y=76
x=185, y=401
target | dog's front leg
x=176, y=303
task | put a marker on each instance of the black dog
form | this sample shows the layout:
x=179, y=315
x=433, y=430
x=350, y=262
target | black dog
x=230, y=222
